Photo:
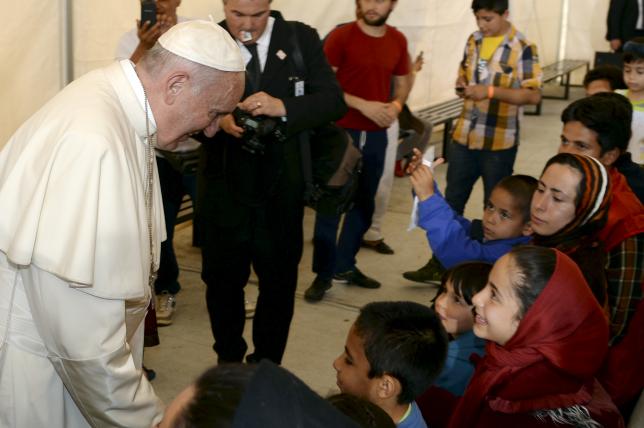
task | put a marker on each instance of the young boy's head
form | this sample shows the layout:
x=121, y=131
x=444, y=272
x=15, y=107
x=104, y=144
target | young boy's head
x=507, y=211
x=393, y=353
x=453, y=303
x=598, y=126
x=491, y=16
x=634, y=64
x=604, y=78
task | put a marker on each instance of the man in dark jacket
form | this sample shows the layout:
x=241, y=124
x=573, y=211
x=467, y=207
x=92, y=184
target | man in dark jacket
x=252, y=190
x=625, y=21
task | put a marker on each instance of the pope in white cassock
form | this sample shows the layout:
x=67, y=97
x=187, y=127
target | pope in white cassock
x=81, y=223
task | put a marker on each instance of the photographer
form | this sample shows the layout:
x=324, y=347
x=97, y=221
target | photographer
x=252, y=189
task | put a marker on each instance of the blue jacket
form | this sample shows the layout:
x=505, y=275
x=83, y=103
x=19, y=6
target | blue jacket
x=449, y=238
x=458, y=369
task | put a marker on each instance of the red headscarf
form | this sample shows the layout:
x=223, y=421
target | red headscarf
x=551, y=360
x=626, y=214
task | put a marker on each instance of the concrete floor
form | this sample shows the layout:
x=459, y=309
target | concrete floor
x=318, y=330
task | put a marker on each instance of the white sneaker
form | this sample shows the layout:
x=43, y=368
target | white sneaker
x=166, y=305
x=250, y=309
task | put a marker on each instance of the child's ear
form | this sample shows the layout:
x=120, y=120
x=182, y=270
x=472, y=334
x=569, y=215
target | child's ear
x=388, y=387
x=527, y=229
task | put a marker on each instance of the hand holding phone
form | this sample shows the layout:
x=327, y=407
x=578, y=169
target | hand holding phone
x=148, y=12
x=418, y=63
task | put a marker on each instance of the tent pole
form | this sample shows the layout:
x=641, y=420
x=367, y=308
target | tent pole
x=67, y=42
x=563, y=30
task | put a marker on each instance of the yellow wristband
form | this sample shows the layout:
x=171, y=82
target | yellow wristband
x=397, y=104
x=490, y=92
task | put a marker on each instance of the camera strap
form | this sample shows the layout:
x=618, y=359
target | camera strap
x=303, y=137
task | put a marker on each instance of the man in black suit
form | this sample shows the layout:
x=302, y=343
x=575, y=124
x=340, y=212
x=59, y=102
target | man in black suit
x=625, y=22
x=252, y=207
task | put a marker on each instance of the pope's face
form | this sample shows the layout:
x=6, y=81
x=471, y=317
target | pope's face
x=247, y=19
x=199, y=108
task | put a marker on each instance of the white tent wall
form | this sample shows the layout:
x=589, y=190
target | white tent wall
x=31, y=71
x=586, y=29
x=31, y=68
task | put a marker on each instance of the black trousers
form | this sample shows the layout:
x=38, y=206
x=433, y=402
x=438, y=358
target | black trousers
x=234, y=238
x=174, y=185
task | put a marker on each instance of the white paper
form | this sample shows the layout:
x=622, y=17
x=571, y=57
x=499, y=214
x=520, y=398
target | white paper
x=428, y=158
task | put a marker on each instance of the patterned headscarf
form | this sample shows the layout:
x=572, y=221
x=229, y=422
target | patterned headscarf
x=592, y=204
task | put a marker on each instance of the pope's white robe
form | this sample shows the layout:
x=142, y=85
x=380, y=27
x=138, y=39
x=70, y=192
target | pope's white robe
x=74, y=260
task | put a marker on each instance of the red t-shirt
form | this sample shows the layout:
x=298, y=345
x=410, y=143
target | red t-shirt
x=365, y=66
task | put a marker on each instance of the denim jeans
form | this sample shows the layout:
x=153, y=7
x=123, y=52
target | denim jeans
x=329, y=258
x=466, y=166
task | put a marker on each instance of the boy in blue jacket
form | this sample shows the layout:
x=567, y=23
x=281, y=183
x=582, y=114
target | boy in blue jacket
x=506, y=219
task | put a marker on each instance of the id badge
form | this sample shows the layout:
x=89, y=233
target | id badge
x=298, y=87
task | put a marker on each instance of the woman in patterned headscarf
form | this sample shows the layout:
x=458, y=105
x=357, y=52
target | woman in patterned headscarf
x=569, y=208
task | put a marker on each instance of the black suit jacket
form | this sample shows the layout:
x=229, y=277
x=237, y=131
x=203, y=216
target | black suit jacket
x=622, y=19
x=245, y=179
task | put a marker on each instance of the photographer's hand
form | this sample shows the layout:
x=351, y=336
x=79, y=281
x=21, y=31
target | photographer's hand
x=148, y=35
x=228, y=125
x=260, y=103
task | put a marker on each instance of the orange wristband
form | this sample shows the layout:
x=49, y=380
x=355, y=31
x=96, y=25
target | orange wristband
x=490, y=92
x=397, y=104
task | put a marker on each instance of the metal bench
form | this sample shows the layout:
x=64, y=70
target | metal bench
x=442, y=114
x=561, y=69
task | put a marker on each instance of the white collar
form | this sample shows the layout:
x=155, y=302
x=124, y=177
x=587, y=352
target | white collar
x=137, y=87
x=265, y=39
x=263, y=43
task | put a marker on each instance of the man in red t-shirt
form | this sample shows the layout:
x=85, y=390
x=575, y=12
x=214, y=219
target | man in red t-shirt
x=367, y=55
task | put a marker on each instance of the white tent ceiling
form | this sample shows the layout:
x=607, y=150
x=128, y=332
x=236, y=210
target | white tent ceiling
x=34, y=67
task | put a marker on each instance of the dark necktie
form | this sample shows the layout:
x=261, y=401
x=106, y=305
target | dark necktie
x=253, y=69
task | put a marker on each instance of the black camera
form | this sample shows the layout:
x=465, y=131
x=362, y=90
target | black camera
x=256, y=129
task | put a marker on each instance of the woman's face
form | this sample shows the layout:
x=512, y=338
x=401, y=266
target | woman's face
x=454, y=312
x=554, y=202
x=497, y=305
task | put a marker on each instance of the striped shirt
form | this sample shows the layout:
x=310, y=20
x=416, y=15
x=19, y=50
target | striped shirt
x=493, y=124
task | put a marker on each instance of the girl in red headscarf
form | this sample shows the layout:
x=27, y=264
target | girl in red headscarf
x=547, y=337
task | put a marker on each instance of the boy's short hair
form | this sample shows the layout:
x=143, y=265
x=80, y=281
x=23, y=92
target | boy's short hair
x=405, y=340
x=608, y=114
x=467, y=279
x=608, y=72
x=521, y=187
x=218, y=392
x=498, y=6
x=634, y=50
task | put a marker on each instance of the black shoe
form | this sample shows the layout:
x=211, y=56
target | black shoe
x=149, y=373
x=317, y=289
x=356, y=277
x=252, y=359
x=431, y=273
x=378, y=246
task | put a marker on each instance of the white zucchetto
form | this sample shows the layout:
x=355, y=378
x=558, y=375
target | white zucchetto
x=205, y=43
